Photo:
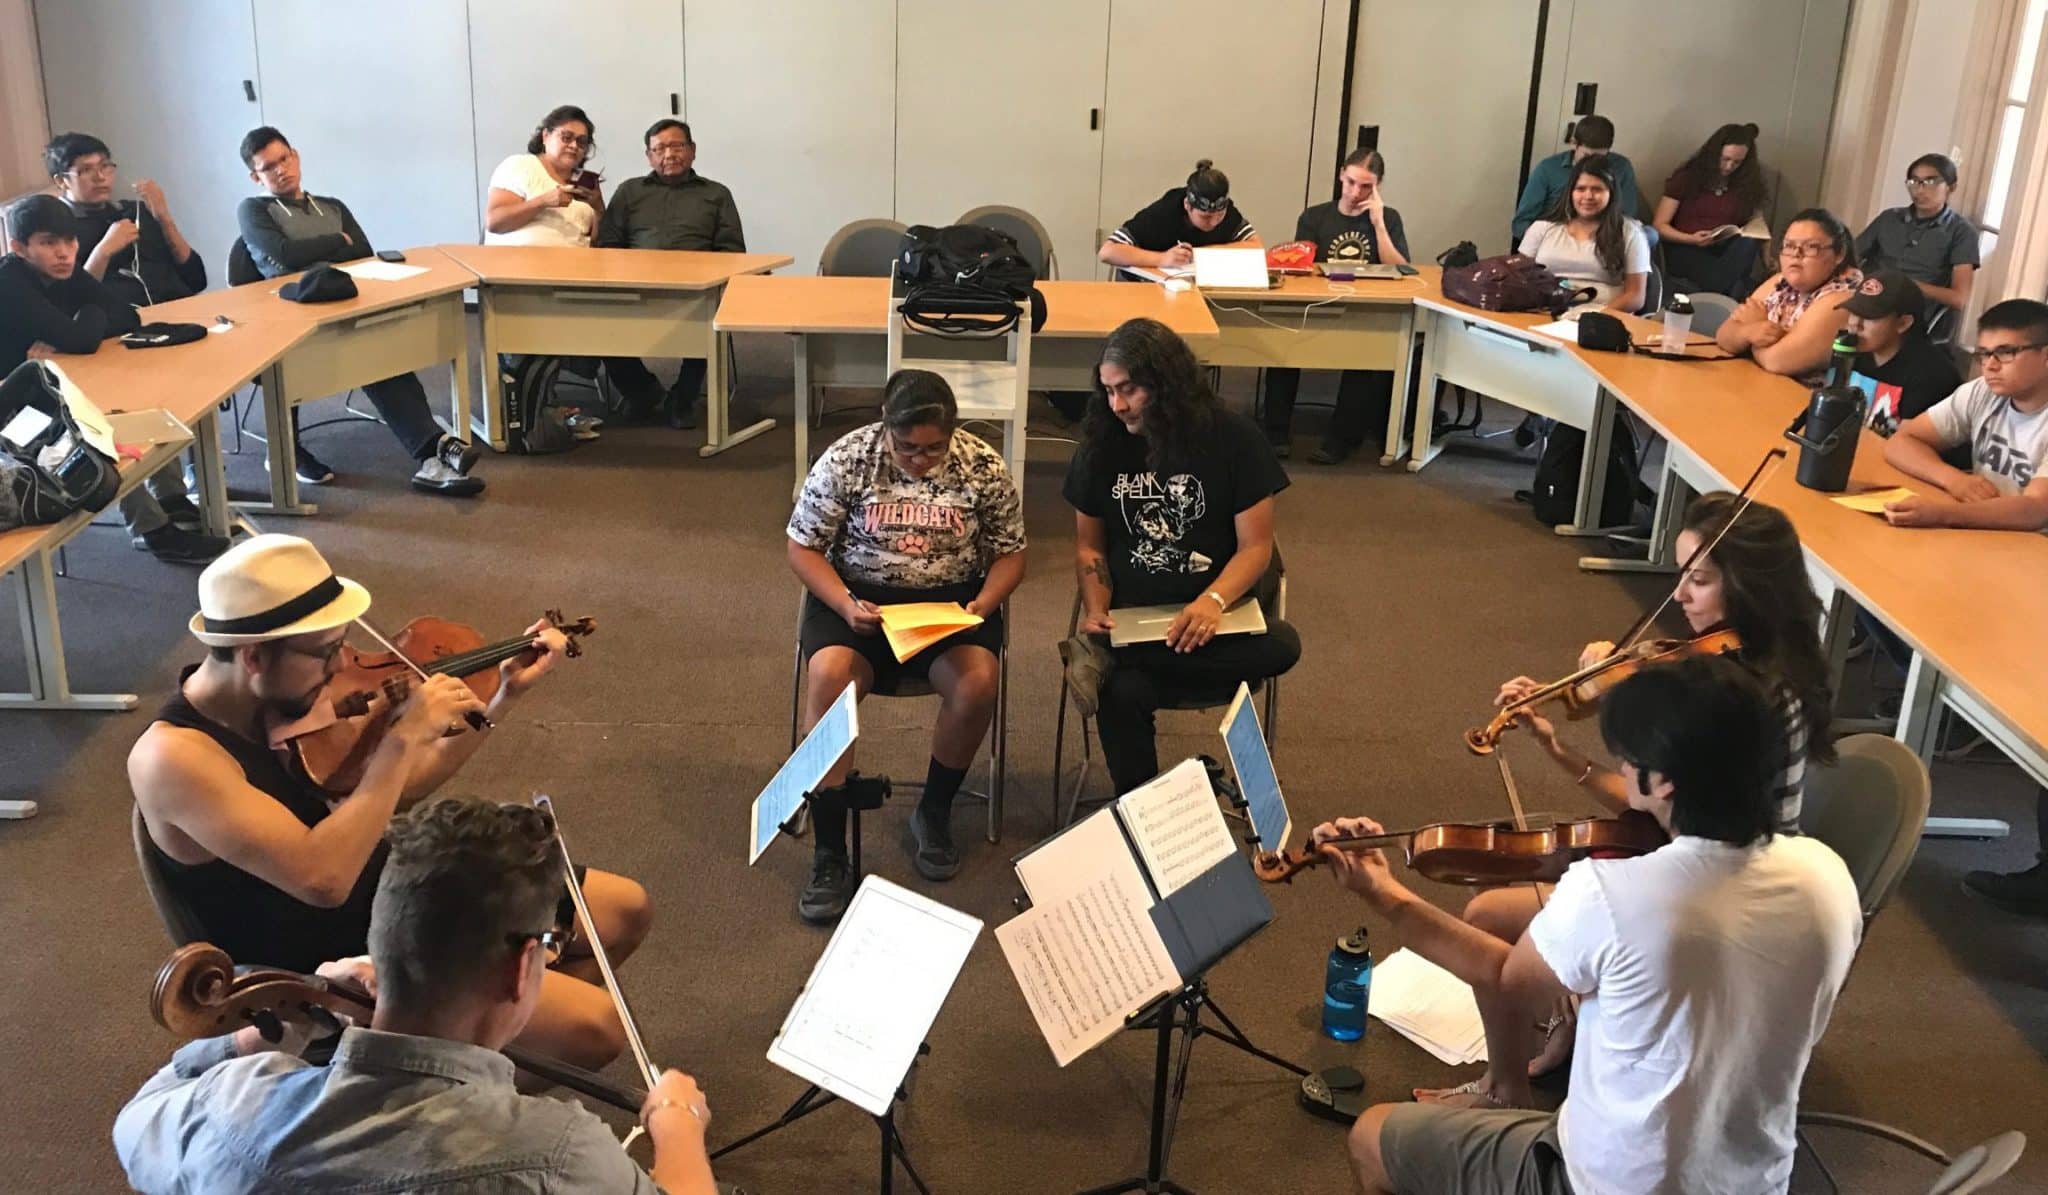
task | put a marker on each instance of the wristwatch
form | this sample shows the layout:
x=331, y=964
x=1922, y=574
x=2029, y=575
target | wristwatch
x=1220, y=603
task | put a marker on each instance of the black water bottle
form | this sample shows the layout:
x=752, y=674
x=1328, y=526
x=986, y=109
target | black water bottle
x=1827, y=430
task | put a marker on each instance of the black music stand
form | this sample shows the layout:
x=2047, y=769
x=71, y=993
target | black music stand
x=862, y=793
x=816, y=1097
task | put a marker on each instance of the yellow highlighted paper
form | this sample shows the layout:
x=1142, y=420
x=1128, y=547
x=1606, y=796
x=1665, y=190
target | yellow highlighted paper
x=1872, y=502
x=913, y=626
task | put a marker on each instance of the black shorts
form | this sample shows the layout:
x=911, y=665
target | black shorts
x=822, y=627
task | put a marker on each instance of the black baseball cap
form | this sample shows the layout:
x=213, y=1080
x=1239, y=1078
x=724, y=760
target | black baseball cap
x=1885, y=293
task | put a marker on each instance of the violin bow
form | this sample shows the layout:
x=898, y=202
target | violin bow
x=1746, y=498
x=476, y=718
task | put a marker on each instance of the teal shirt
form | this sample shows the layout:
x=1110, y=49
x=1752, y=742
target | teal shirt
x=1546, y=183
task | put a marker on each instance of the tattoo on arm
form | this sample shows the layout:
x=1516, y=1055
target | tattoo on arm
x=1098, y=569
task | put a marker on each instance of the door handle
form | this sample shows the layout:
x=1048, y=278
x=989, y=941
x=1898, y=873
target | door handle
x=1094, y=119
x=249, y=90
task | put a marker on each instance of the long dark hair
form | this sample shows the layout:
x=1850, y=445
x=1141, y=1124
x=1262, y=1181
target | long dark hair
x=1610, y=239
x=1706, y=725
x=1703, y=169
x=1770, y=604
x=1181, y=409
x=555, y=119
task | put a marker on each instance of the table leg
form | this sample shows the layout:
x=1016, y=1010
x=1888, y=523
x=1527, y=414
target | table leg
x=1396, y=443
x=209, y=468
x=1593, y=467
x=493, y=405
x=1920, y=729
x=1665, y=522
x=1423, y=450
x=801, y=412
x=462, y=382
x=718, y=409
x=282, y=449
x=42, y=639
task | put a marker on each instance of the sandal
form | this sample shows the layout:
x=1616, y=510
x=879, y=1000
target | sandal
x=1473, y=1094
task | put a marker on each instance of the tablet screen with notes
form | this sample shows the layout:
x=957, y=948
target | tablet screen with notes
x=1147, y=624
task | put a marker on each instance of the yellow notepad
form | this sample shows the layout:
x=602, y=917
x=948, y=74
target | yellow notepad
x=1871, y=502
x=913, y=626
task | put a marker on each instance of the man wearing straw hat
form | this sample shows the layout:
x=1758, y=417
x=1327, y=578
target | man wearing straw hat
x=275, y=870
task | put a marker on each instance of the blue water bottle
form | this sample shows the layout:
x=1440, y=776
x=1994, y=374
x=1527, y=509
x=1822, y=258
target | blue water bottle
x=1347, y=982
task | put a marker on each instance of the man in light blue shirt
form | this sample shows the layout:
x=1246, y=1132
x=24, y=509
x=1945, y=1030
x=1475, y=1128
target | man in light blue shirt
x=466, y=914
x=1591, y=135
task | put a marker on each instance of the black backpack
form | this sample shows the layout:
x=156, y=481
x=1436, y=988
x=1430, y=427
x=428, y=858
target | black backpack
x=1554, y=495
x=964, y=279
x=533, y=426
x=53, y=472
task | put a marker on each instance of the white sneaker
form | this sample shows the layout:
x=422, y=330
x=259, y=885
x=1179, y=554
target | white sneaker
x=436, y=477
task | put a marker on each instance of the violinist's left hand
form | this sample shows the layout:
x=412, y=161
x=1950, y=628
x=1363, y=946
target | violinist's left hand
x=517, y=675
x=1362, y=871
x=1195, y=625
x=1596, y=651
x=358, y=970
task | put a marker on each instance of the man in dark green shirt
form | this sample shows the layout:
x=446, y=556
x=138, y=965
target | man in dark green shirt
x=670, y=207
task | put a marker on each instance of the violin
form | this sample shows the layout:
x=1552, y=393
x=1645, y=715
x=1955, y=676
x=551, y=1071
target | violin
x=1582, y=691
x=1488, y=853
x=334, y=755
x=198, y=993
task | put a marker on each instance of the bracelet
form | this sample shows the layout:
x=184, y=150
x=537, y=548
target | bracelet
x=666, y=1102
x=1586, y=775
x=1220, y=603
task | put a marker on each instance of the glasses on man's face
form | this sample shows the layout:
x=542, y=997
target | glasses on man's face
x=97, y=170
x=2004, y=354
x=664, y=148
x=928, y=452
x=1924, y=183
x=1805, y=248
x=269, y=169
x=552, y=942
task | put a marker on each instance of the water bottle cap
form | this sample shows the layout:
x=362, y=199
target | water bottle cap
x=1680, y=305
x=1354, y=944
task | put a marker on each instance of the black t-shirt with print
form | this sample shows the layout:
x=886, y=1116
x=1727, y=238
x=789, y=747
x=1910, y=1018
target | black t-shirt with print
x=1339, y=237
x=1164, y=223
x=1169, y=537
x=1919, y=375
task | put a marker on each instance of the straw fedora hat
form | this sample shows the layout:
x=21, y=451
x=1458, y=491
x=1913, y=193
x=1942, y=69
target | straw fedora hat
x=269, y=587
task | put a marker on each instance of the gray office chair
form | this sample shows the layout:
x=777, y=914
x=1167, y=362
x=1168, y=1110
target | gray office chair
x=1870, y=808
x=1272, y=594
x=1710, y=311
x=862, y=249
x=998, y=731
x=1031, y=236
x=179, y=920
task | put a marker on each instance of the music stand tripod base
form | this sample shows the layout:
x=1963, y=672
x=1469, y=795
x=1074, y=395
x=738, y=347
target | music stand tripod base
x=816, y=1097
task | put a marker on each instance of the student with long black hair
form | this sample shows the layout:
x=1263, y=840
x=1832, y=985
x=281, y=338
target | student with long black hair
x=1722, y=184
x=1588, y=241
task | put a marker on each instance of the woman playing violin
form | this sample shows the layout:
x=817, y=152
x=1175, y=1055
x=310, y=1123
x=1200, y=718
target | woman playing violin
x=280, y=872
x=1753, y=581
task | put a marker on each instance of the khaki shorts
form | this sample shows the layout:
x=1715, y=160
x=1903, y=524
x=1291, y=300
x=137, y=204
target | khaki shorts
x=1472, y=1151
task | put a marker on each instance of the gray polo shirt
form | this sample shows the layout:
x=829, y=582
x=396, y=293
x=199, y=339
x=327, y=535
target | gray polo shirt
x=651, y=212
x=391, y=1112
x=1926, y=250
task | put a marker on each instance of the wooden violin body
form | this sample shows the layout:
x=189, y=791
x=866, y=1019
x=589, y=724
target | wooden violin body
x=198, y=993
x=1582, y=692
x=1486, y=853
x=369, y=685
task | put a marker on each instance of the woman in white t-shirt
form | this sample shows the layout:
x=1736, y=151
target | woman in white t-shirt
x=1588, y=241
x=544, y=196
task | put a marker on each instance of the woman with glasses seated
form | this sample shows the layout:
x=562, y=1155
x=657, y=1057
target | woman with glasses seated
x=907, y=509
x=542, y=197
x=1788, y=325
x=1166, y=232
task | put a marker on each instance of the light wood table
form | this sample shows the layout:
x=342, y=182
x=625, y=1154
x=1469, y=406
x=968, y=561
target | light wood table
x=1309, y=322
x=840, y=325
x=389, y=328
x=567, y=301
x=188, y=381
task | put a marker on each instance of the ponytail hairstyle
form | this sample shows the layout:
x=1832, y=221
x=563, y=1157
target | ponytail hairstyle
x=555, y=119
x=1370, y=159
x=1610, y=238
x=918, y=398
x=1208, y=187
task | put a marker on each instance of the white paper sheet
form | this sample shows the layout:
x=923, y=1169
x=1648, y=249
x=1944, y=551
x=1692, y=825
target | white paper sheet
x=1087, y=962
x=874, y=993
x=1564, y=329
x=381, y=271
x=1429, y=1006
x=1178, y=829
x=1093, y=847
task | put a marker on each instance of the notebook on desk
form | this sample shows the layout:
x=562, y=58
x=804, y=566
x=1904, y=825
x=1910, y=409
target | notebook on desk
x=1358, y=269
x=1147, y=624
x=1225, y=267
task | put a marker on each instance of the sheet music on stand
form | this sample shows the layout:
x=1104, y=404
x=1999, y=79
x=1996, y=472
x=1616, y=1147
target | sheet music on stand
x=1245, y=742
x=800, y=773
x=1127, y=907
x=874, y=993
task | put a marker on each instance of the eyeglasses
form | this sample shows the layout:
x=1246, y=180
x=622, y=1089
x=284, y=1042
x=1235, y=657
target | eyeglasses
x=929, y=452
x=2004, y=354
x=1806, y=248
x=1208, y=205
x=269, y=169
x=1919, y=183
x=575, y=140
x=552, y=942
x=102, y=170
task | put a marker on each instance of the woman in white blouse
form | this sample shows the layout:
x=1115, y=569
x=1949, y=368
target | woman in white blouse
x=544, y=196
x=1587, y=240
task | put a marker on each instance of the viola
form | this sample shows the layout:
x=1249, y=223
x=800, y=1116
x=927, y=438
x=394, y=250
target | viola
x=198, y=993
x=1581, y=692
x=1488, y=853
x=368, y=685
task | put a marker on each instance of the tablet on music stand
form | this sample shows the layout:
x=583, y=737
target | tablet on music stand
x=801, y=772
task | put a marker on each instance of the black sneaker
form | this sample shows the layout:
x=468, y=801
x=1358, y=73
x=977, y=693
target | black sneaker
x=829, y=890
x=173, y=544
x=930, y=841
x=184, y=515
x=684, y=413
x=1278, y=443
x=459, y=455
x=309, y=469
x=2022, y=892
x=1330, y=452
